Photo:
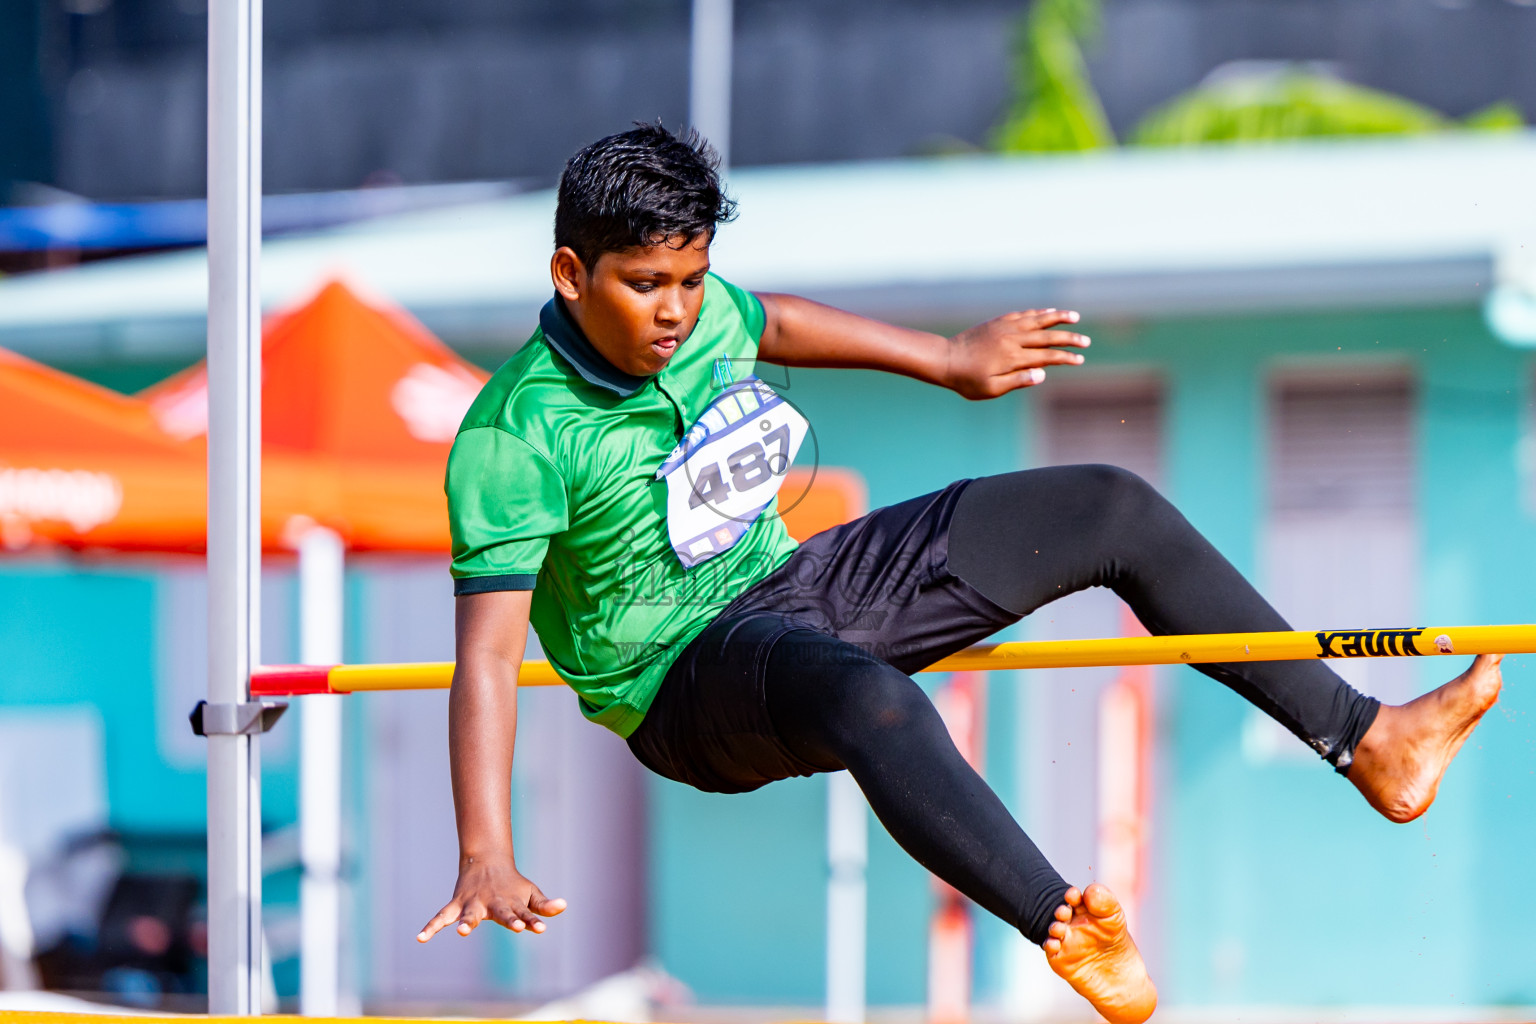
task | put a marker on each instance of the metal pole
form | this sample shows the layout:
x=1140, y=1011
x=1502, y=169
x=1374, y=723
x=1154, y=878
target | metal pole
x=709, y=74
x=322, y=571
x=847, y=893
x=234, y=499
x=847, y=898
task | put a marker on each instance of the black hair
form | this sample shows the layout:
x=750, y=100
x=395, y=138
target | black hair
x=640, y=188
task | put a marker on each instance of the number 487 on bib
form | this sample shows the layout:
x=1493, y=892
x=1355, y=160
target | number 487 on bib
x=728, y=468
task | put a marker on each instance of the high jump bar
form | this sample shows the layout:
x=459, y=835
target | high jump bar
x=1195, y=649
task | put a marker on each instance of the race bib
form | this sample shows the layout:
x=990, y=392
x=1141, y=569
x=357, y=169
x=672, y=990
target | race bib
x=728, y=467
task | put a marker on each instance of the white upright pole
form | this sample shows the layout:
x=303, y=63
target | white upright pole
x=234, y=499
x=847, y=855
x=709, y=74
x=322, y=570
x=17, y=972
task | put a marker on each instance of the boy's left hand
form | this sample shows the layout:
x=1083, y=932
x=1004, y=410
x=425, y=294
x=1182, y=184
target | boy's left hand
x=1011, y=352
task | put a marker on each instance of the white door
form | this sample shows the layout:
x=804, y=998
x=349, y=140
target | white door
x=1339, y=539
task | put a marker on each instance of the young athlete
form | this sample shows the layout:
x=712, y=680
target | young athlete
x=614, y=484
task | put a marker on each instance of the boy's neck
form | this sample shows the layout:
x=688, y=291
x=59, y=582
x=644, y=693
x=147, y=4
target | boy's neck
x=565, y=335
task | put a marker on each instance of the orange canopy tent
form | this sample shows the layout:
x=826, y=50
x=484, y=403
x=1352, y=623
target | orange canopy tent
x=360, y=404
x=359, y=408
x=82, y=466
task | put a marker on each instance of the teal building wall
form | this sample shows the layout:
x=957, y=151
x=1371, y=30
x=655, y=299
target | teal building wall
x=1264, y=868
x=1257, y=854
x=1277, y=884
x=86, y=632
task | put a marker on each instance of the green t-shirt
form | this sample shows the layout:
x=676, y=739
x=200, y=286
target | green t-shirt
x=552, y=487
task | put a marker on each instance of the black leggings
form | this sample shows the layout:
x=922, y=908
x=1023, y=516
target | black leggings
x=1023, y=540
x=836, y=707
x=787, y=681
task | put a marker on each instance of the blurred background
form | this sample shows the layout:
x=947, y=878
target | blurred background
x=1302, y=234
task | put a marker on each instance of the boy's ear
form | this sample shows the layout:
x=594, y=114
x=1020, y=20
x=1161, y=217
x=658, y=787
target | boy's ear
x=568, y=273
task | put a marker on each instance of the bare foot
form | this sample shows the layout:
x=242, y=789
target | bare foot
x=1403, y=755
x=1092, y=949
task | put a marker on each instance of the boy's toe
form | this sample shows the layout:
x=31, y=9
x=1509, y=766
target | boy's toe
x=1099, y=901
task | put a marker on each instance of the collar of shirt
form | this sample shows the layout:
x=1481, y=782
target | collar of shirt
x=565, y=337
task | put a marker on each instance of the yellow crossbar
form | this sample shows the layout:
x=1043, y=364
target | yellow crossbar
x=1205, y=648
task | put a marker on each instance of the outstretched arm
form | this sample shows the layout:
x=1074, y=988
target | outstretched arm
x=490, y=631
x=988, y=360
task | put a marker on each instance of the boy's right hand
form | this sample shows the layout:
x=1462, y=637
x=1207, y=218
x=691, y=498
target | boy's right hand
x=496, y=890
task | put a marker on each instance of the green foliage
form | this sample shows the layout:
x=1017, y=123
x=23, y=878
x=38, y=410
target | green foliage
x=1502, y=116
x=1055, y=107
x=1293, y=102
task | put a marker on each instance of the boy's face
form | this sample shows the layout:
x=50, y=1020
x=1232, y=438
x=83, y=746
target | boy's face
x=636, y=306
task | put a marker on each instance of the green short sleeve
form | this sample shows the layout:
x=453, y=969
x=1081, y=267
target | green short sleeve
x=749, y=305
x=505, y=500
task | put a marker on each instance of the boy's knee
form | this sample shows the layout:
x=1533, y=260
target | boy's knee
x=877, y=696
x=1115, y=487
x=1121, y=499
